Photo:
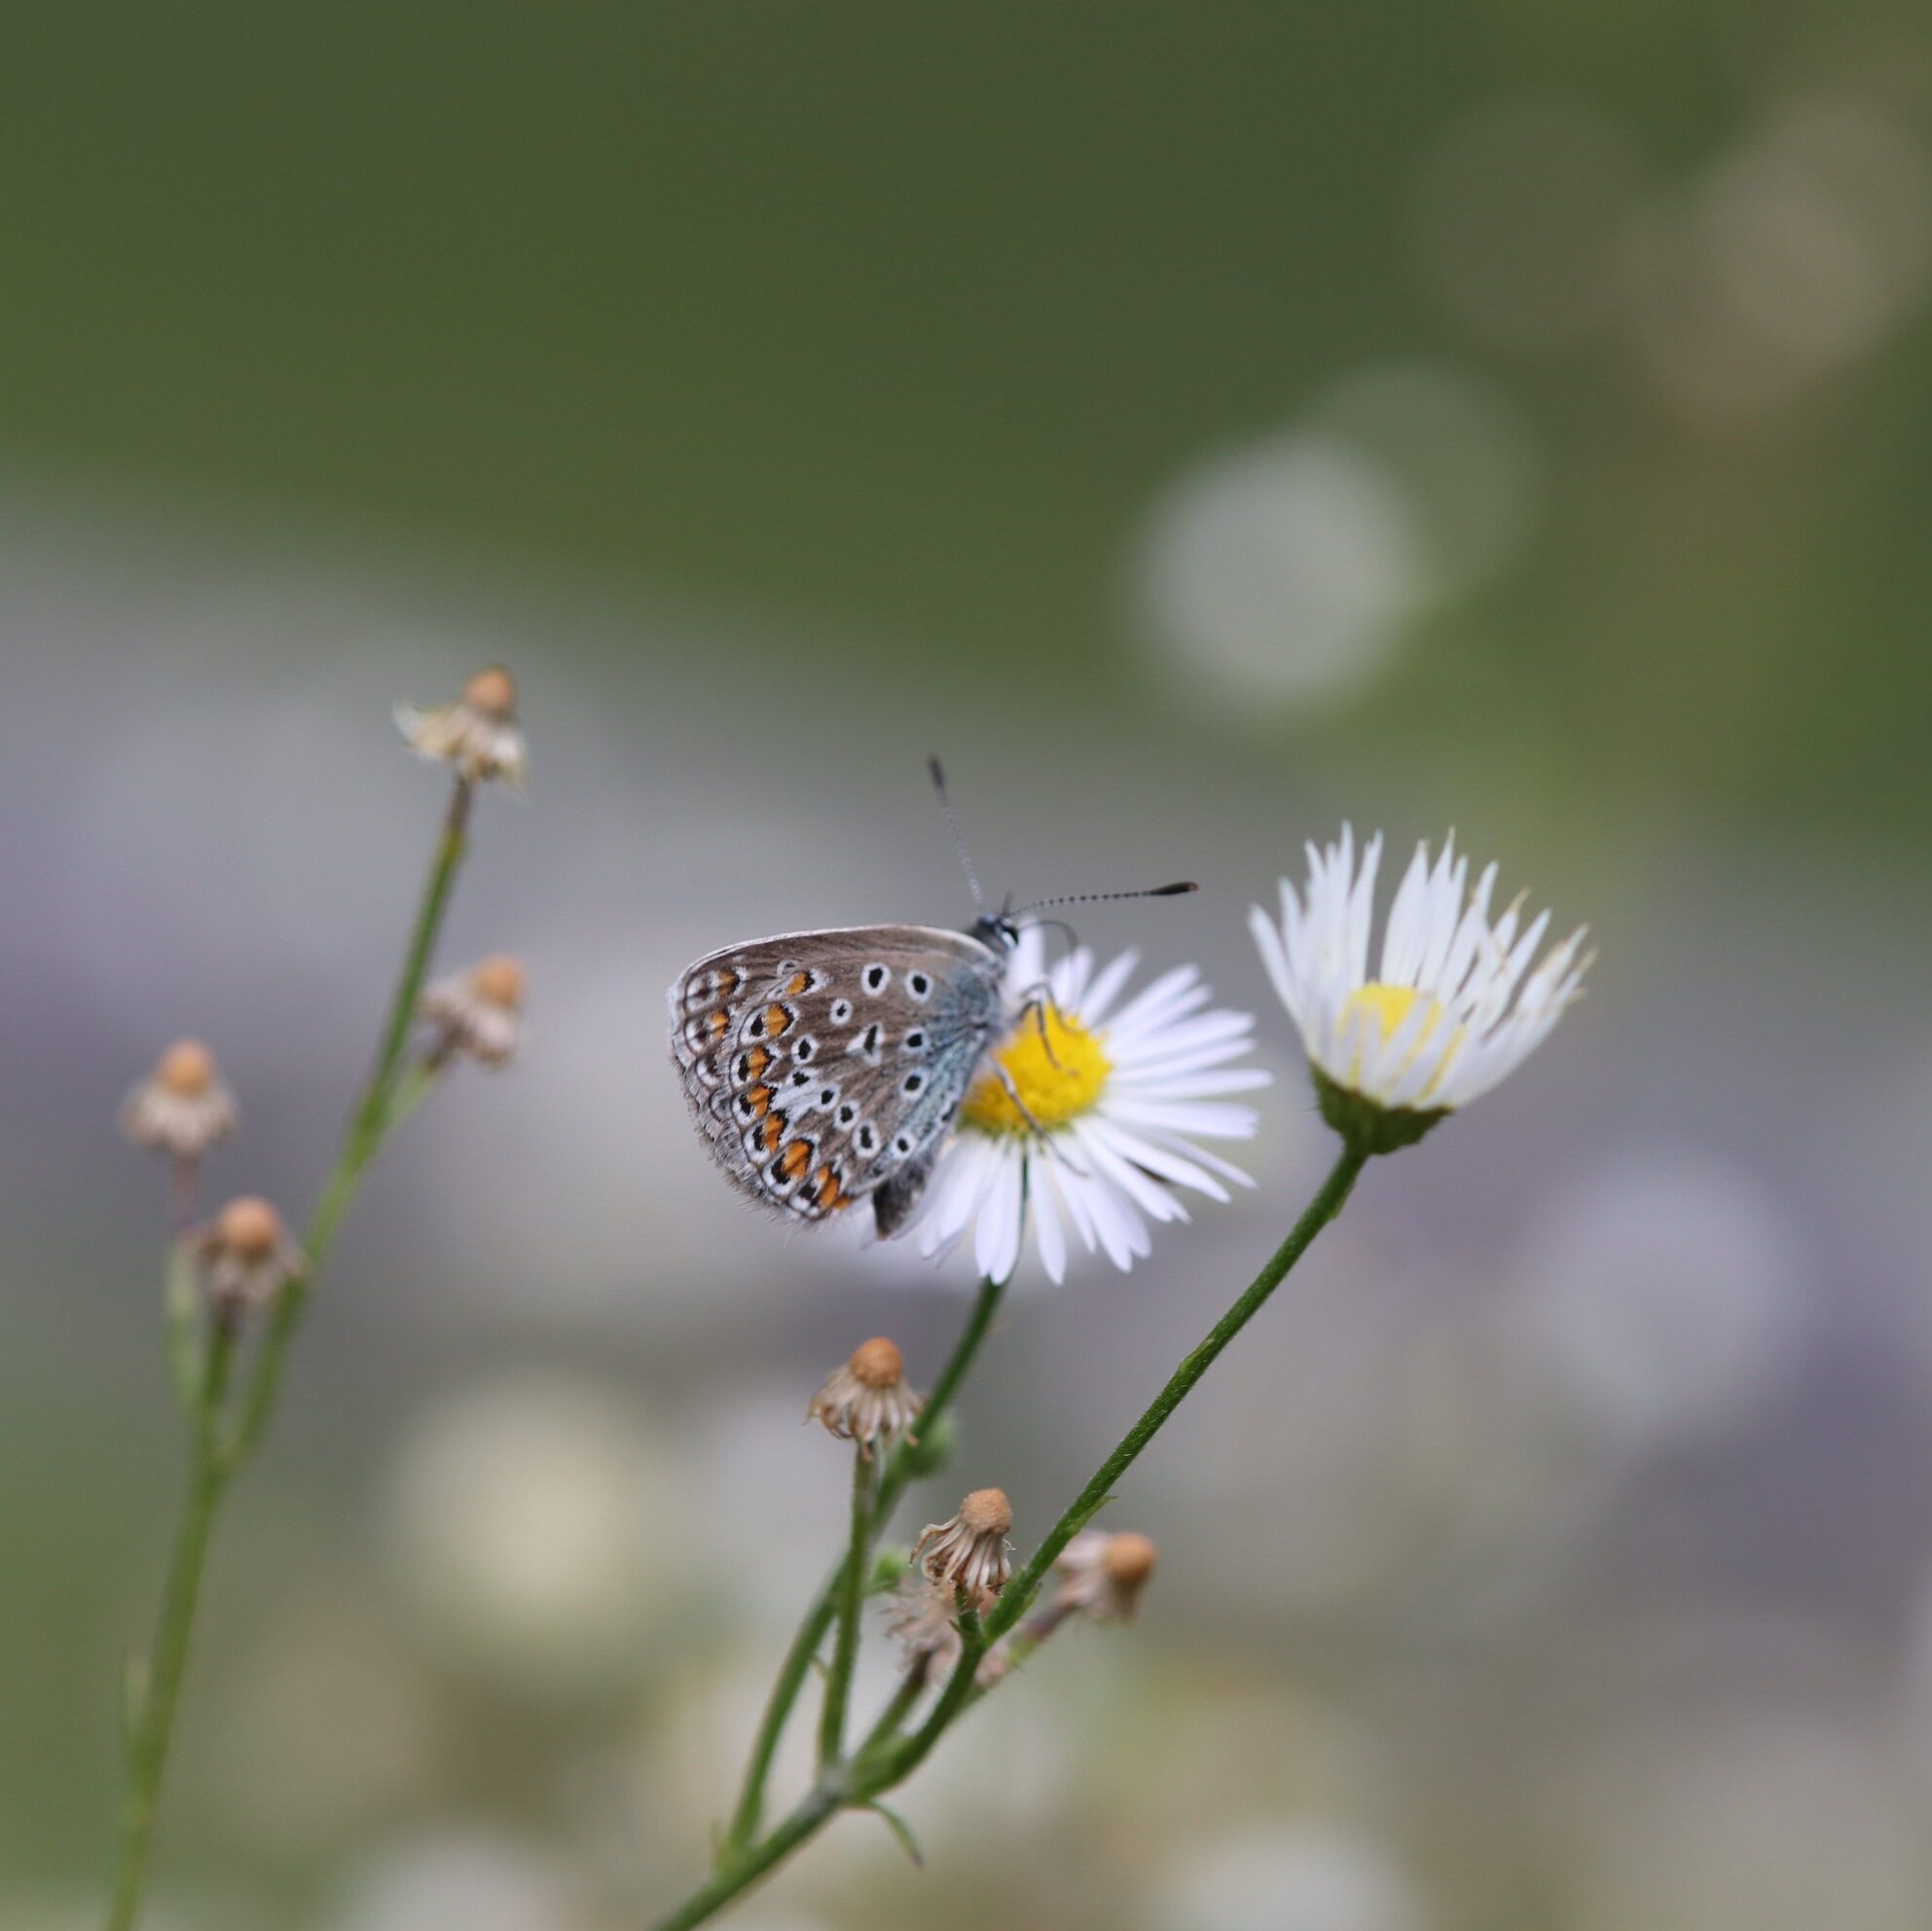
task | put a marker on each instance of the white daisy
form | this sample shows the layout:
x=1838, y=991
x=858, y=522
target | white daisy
x=1111, y=1098
x=1449, y=1013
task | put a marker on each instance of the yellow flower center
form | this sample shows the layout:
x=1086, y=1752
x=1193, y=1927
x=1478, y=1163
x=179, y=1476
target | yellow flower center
x=1056, y=1068
x=1390, y=1006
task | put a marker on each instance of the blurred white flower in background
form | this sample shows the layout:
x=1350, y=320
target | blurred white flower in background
x=1312, y=1876
x=1798, y=251
x=1279, y=575
x=1284, y=574
x=1662, y=1294
x=534, y=1535
x=465, y=1879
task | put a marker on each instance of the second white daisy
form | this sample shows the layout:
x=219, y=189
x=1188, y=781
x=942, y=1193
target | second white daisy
x=1088, y=1124
x=1452, y=1010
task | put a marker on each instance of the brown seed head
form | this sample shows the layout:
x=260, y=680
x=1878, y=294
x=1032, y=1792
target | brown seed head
x=986, y=1512
x=498, y=981
x=249, y=1228
x=1129, y=1559
x=492, y=693
x=878, y=1363
x=187, y=1069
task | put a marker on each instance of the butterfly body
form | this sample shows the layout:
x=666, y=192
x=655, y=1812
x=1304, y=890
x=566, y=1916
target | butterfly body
x=826, y=1067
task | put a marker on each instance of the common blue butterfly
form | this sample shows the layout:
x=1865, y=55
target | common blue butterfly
x=826, y=1067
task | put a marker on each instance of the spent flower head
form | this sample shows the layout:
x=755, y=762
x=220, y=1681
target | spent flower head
x=1089, y=1117
x=865, y=1399
x=968, y=1550
x=184, y=1106
x=478, y=733
x=248, y=1255
x=1448, y=1013
x=481, y=1011
x=1101, y=1575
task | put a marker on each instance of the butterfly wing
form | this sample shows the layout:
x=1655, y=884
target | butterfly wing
x=821, y=1068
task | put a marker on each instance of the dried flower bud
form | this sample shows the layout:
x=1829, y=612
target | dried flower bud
x=183, y=1106
x=248, y=1255
x=866, y=1400
x=969, y=1551
x=1102, y=1576
x=923, y=1617
x=481, y=1010
x=478, y=733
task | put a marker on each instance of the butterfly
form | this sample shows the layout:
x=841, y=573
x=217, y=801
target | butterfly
x=825, y=1068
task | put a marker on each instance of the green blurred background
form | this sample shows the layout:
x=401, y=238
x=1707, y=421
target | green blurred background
x=1202, y=425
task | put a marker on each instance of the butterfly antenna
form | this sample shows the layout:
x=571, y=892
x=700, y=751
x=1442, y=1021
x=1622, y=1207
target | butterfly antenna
x=1097, y=897
x=953, y=825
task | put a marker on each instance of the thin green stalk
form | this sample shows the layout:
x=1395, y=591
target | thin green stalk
x=887, y=1760
x=216, y=1455
x=850, y=1600
x=797, y=1664
x=744, y=1868
x=368, y=1126
x=1326, y=1205
x=153, y=1729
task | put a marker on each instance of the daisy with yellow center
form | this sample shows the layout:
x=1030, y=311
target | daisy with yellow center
x=1452, y=1010
x=1086, y=1125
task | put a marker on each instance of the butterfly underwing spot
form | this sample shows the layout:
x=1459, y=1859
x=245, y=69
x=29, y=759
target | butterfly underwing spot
x=748, y=1023
x=912, y=1083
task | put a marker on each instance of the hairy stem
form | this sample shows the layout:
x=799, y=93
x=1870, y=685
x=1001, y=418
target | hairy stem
x=892, y=1481
x=368, y=1126
x=887, y=1758
x=1320, y=1211
x=220, y=1447
x=153, y=1727
x=850, y=1599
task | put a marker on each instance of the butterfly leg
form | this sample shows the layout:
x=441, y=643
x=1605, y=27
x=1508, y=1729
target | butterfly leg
x=1039, y=1003
x=1020, y=1107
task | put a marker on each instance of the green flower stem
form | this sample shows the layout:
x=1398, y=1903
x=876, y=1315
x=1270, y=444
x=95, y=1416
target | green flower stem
x=850, y=1600
x=1320, y=1211
x=743, y=1868
x=151, y=1726
x=888, y=1760
x=893, y=1480
x=370, y=1124
x=220, y=1448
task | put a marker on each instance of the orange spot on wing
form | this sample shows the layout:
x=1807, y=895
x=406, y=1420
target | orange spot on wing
x=718, y=1022
x=796, y=984
x=773, y=1131
x=777, y=1019
x=759, y=1099
x=826, y=1183
x=727, y=982
x=795, y=1159
x=758, y=1059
